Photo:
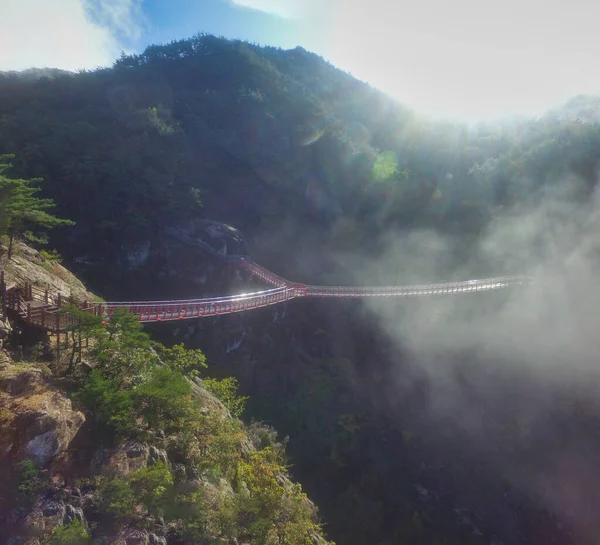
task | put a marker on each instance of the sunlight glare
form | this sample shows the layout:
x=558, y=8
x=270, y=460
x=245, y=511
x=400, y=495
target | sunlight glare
x=445, y=62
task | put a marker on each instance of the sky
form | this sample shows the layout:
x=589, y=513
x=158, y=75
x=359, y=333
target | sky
x=466, y=59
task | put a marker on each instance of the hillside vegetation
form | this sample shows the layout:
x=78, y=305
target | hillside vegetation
x=259, y=137
x=117, y=438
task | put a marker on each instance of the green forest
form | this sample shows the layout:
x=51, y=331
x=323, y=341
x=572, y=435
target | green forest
x=228, y=130
x=317, y=170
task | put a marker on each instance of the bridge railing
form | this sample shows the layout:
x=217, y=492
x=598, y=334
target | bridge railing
x=446, y=288
x=176, y=310
x=37, y=306
x=264, y=274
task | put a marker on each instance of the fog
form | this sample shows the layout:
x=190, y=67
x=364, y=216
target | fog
x=516, y=372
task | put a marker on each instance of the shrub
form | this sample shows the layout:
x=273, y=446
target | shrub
x=164, y=400
x=273, y=511
x=31, y=481
x=73, y=533
x=107, y=403
x=51, y=256
x=152, y=486
x=121, y=349
x=226, y=391
x=178, y=358
x=149, y=487
x=118, y=498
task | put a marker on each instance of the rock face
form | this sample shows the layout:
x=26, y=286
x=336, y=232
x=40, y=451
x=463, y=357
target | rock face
x=5, y=329
x=38, y=422
x=28, y=265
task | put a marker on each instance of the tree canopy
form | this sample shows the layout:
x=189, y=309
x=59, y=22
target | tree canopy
x=22, y=211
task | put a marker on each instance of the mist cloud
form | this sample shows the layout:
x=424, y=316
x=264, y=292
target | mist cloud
x=517, y=373
x=67, y=34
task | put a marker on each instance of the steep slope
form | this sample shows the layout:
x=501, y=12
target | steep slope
x=126, y=444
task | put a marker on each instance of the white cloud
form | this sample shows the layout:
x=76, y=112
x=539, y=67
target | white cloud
x=289, y=9
x=469, y=58
x=67, y=34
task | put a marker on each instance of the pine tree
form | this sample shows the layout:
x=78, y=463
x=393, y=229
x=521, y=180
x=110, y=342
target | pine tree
x=22, y=211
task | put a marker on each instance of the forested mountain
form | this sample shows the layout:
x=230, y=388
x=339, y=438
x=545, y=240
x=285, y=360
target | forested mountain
x=195, y=120
x=325, y=178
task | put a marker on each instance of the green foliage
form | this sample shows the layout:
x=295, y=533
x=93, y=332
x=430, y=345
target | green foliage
x=261, y=510
x=122, y=349
x=31, y=480
x=73, y=533
x=385, y=167
x=275, y=512
x=226, y=391
x=107, y=402
x=163, y=400
x=151, y=487
x=51, y=256
x=118, y=498
x=263, y=436
x=22, y=211
x=186, y=361
x=38, y=351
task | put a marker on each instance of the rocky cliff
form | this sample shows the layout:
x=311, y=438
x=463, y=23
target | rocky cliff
x=197, y=475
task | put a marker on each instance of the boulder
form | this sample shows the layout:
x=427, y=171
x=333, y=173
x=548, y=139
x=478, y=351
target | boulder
x=5, y=331
x=156, y=455
x=42, y=421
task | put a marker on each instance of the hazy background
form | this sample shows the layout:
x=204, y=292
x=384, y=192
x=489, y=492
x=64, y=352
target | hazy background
x=517, y=372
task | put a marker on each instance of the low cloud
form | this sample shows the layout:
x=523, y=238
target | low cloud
x=512, y=377
x=67, y=34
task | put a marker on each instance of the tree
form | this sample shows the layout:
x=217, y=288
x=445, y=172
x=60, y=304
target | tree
x=73, y=533
x=186, y=361
x=107, y=403
x=121, y=349
x=23, y=212
x=164, y=400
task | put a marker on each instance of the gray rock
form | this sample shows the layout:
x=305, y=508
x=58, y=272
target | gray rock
x=153, y=539
x=156, y=455
x=135, y=450
x=23, y=382
x=99, y=458
x=73, y=513
x=193, y=473
x=5, y=330
x=133, y=536
x=137, y=257
x=43, y=447
x=179, y=474
x=52, y=508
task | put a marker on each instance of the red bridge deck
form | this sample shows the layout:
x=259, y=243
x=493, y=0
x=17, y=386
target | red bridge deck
x=40, y=308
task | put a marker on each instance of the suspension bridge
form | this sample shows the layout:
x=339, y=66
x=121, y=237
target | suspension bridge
x=41, y=308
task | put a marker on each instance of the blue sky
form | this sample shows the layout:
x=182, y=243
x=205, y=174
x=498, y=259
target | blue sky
x=467, y=59
x=183, y=18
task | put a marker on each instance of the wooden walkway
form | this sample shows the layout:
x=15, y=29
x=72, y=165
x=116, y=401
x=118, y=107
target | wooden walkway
x=41, y=308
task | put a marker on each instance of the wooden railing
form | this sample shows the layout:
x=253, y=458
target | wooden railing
x=39, y=307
